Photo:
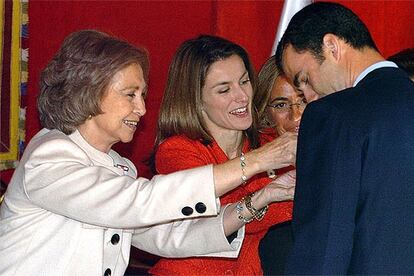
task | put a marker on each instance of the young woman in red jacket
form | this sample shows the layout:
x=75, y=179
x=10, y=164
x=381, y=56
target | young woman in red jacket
x=207, y=117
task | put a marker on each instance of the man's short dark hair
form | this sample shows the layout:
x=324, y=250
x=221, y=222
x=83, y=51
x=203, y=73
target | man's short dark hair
x=308, y=27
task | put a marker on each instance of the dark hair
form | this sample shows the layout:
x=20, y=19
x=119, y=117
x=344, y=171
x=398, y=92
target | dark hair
x=180, y=112
x=75, y=80
x=308, y=27
x=405, y=60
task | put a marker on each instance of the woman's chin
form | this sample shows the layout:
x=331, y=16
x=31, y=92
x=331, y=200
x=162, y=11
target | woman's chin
x=295, y=129
x=281, y=131
x=127, y=138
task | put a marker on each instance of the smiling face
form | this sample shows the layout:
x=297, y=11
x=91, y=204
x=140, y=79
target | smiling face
x=285, y=106
x=122, y=108
x=227, y=97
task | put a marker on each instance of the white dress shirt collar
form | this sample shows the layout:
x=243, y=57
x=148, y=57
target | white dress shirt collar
x=371, y=68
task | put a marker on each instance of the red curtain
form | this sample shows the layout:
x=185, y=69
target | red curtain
x=161, y=26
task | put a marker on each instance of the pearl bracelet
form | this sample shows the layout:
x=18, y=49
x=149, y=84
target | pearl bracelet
x=243, y=168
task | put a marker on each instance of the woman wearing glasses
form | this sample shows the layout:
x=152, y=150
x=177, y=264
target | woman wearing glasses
x=207, y=117
x=280, y=107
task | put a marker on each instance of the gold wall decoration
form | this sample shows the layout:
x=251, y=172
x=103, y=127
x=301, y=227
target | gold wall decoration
x=13, y=82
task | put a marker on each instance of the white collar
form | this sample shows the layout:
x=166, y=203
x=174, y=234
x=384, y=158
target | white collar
x=371, y=68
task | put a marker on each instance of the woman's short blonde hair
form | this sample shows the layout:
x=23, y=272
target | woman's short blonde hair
x=266, y=79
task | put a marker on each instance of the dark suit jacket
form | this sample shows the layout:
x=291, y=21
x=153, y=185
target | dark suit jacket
x=354, y=201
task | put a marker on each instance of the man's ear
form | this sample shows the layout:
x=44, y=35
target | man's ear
x=332, y=46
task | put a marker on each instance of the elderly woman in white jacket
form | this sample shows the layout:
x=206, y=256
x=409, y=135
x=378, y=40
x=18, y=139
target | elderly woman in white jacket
x=74, y=206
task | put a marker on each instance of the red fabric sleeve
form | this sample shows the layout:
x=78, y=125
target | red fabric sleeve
x=178, y=153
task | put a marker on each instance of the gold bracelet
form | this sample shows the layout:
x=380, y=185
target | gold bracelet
x=257, y=214
x=239, y=210
x=260, y=214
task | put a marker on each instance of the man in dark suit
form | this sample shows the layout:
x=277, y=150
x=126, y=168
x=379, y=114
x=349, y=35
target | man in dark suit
x=354, y=201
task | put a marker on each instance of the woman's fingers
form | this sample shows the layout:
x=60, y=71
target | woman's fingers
x=280, y=152
x=283, y=187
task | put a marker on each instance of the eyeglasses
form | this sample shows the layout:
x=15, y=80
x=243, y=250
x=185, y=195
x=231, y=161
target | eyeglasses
x=285, y=106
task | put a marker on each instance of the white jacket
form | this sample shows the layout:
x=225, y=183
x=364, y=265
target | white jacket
x=73, y=210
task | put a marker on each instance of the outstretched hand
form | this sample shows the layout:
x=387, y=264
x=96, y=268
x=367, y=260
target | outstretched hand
x=279, y=153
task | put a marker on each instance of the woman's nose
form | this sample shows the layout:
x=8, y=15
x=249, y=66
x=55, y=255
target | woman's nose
x=139, y=106
x=241, y=94
x=296, y=112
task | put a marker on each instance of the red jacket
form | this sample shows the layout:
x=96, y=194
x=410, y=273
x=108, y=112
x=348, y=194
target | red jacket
x=179, y=153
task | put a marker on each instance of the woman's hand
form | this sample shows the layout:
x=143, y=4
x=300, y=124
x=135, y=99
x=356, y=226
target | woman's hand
x=282, y=188
x=279, y=153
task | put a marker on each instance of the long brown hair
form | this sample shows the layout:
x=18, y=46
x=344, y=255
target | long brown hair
x=180, y=112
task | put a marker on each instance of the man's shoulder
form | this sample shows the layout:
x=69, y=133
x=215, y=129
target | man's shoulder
x=371, y=103
x=336, y=101
x=387, y=84
x=385, y=81
x=383, y=74
x=345, y=107
x=376, y=86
